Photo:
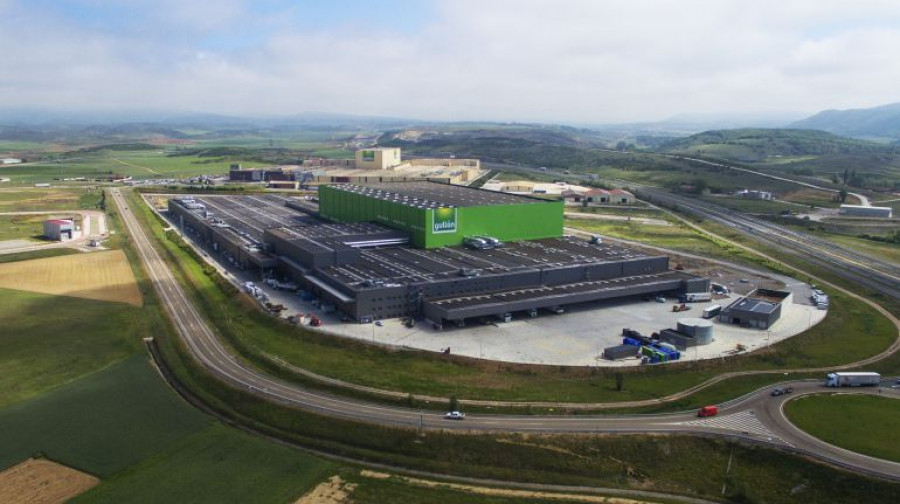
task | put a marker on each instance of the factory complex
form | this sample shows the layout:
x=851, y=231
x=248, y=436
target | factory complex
x=423, y=250
x=375, y=164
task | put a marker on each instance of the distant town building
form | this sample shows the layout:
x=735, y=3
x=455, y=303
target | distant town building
x=866, y=211
x=10, y=161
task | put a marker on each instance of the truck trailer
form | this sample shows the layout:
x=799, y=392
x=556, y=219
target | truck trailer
x=852, y=379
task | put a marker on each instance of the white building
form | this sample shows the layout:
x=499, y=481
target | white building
x=866, y=211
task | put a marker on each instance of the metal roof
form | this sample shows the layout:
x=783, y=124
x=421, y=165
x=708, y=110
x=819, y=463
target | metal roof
x=434, y=194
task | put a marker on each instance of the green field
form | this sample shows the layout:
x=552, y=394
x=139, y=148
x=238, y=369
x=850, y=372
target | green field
x=21, y=227
x=137, y=164
x=49, y=340
x=37, y=254
x=49, y=199
x=215, y=465
x=100, y=424
x=862, y=423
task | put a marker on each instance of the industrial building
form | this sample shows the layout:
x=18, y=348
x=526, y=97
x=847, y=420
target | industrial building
x=376, y=164
x=394, y=250
x=439, y=215
x=760, y=309
x=866, y=211
x=59, y=229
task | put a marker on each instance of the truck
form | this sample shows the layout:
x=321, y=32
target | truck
x=852, y=379
x=696, y=297
x=711, y=311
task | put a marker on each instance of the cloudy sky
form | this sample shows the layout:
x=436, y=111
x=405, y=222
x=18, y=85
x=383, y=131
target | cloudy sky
x=590, y=61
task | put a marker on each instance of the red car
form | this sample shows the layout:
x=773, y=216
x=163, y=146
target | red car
x=708, y=411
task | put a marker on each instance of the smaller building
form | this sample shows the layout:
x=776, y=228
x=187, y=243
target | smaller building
x=760, y=309
x=866, y=211
x=10, y=161
x=378, y=158
x=597, y=196
x=283, y=184
x=59, y=229
x=755, y=194
x=621, y=197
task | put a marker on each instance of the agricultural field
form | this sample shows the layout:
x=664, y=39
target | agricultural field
x=100, y=424
x=37, y=254
x=137, y=164
x=126, y=426
x=103, y=276
x=861, y=423
x=21, y=227
x=42, y=481
x=811, y=197
x=215, y=465
x=48, y=341
x=48, y=199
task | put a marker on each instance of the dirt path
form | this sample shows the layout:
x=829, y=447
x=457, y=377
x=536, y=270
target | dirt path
x=151, y=170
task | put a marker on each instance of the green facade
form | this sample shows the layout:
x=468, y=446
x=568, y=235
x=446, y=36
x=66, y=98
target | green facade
x=433, y=228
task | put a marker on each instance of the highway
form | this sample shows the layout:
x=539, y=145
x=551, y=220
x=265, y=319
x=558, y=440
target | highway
x=755, y=417
x=878, y=275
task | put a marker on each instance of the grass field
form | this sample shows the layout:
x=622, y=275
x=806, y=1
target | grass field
x=137, y=164
x=213, y=466
x=100, y=424
x=42, y=481
x=21, y=227
x=865, y=424
x=48, y=199
x=37, y=254
x=50, y=340
x=103, y=276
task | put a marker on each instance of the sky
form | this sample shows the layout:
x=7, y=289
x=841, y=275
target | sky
x=563, y=61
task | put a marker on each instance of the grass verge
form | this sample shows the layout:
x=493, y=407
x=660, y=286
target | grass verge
x=861, y=423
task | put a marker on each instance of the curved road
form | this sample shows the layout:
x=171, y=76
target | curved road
x=753, y=417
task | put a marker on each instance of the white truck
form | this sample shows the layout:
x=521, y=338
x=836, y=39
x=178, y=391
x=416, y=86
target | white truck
x=852, y=379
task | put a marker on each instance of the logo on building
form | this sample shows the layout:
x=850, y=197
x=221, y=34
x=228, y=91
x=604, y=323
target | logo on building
x=368, y=155
x=444, y=220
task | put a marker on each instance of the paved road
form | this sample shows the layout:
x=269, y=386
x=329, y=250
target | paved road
x=751, y=417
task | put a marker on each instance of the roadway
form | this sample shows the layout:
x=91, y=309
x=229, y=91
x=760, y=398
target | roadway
x=754, y=417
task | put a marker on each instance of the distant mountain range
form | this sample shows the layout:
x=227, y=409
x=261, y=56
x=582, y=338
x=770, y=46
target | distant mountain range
x=874, y=123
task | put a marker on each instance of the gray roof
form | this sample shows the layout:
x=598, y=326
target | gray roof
x=434, y=194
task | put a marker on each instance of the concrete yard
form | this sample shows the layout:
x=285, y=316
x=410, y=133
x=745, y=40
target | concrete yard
x=577, y=337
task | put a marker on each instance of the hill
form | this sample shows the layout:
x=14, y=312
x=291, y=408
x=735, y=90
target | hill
x=758, y=145
x=878, y=122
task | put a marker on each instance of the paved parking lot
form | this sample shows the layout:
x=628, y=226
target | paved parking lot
x=575, y=338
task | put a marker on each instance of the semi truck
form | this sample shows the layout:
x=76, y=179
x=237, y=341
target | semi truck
x=852, y=379
x=711, y=311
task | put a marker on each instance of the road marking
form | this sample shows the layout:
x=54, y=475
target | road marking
x=742, y=421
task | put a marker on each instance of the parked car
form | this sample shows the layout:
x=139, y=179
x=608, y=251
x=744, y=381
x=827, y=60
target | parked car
x=455, y=415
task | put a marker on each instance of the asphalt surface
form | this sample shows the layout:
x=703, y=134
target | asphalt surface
x=755, y=417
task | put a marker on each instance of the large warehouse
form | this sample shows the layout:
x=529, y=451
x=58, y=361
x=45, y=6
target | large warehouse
x=384, y=251
x=440, y=215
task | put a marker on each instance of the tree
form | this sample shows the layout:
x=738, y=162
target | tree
x=454, y=403
x=843, y=195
